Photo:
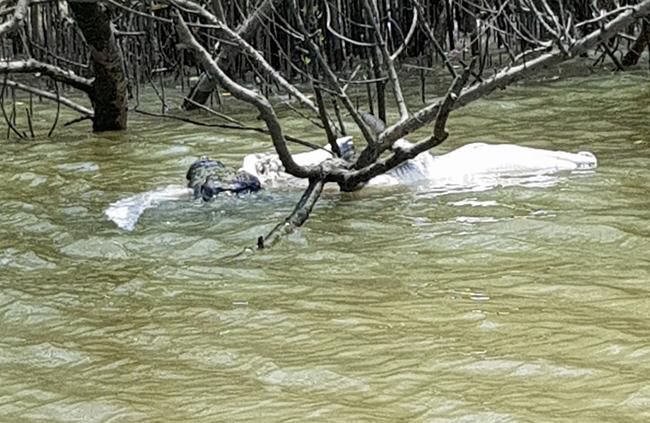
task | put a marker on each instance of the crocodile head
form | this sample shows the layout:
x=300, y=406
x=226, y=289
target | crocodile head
x=208, y=178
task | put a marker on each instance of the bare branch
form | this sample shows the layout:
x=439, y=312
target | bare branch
x=131, y=10
x=322, y=112
x=298, y=216
x=58, y=74
x=331, y=76
x=46, y=94
x=351, y=179
x=252, y=52
x=439, y=132
x=260, y=61
x=235, y=127
x=214, y=112
x=409, y=35
x=603, y=16
x=328, y=25
x=249, y=96
x=640, y=43
x=373, y=12
x=508, y=76
x=10, y=125
x=201, y=91
x=541, y=18
x=19, y=15
x=58, y=109
x=428, y=31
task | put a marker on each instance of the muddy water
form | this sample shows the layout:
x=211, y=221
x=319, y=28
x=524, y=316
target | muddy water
x=528, y=302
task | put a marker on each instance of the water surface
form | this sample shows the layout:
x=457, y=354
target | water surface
x=520, y=303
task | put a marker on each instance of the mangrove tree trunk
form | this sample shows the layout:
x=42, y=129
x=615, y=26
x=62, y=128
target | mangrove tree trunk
x=109, y=93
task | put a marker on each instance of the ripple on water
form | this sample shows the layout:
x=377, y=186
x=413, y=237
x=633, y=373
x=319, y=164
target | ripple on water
x=68, y=410
x=308, y=379
x=639, y=402
x=81, y=167
x=524, y=302
x=176, y=150
x=21, y=313
x=24, y=261
x=33, y=179
x=144, y=246
x=524, y=369
x=42, y=355
x=96, y=247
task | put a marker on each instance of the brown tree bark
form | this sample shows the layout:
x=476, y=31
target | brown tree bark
x=109, y=93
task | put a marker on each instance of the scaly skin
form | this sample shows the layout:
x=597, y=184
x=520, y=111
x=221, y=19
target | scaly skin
x=208, y=178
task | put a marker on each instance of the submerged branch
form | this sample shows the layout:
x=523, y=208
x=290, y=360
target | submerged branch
x=298, y=216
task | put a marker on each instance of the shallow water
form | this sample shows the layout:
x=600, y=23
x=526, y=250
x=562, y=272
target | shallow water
x=520, y=303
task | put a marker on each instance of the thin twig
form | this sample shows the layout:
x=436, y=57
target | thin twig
x=58, y=110
x=10, y=125
x=226, y=126
x=213, y=112
x=29, y=122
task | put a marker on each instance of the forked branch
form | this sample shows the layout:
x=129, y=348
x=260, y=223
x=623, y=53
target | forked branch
x=257, y=58
x=509, y=75
x=267, y=113
x=329, y=74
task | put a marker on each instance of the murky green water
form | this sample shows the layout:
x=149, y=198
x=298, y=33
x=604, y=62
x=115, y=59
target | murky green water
x=514, y=304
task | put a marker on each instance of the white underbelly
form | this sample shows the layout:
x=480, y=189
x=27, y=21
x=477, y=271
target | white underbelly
x=478, y=160
x=507, y=158
x=459, y=167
